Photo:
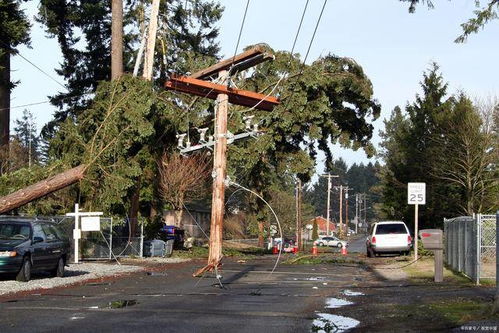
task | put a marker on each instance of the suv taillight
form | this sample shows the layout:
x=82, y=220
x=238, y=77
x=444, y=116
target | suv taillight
x=373, y=240
x=409, y=239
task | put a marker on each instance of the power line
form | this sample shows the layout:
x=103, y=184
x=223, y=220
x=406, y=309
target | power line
x=240, y=31
x=45, y=102
x=291, y=54
x=32, y=64
x=315, y=30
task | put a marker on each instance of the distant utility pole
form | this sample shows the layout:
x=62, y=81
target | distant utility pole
x=151, y=40
x=341, y=211
x=298, y=213
x=346, y=189
x=365, y=209
x=356, y=212
x=329, y=176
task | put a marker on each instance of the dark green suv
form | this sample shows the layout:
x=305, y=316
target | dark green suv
x=28, y=245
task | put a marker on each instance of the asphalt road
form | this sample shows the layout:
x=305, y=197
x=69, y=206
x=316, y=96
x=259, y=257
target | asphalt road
x=171, y=300
x=357, y=244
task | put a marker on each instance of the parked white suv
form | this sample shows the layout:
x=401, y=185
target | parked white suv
x=388, y=237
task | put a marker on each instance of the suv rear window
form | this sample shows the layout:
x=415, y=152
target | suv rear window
x=396, y=228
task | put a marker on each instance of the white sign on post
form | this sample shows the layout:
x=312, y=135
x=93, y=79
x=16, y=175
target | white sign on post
x=77, y=231
x=90, y=223
x=416, y=193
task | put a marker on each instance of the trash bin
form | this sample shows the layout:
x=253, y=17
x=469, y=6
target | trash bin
x=155, y=248
x=169, y=247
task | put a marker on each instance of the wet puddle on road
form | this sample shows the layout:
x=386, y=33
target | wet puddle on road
x=352, y=293
x=327, y=322
x=333, y=323
x=334, y=303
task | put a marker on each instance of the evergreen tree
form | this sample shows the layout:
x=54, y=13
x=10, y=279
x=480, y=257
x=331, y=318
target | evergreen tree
x=483, y=15
x=14, y=31
x=83, y=30
x=409, y=154
x=25, y=132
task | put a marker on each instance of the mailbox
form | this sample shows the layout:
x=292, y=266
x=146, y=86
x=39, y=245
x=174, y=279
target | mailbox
x=432, y=239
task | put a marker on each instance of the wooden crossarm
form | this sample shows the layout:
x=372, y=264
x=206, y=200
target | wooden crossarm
x=227, y=63
x=211, y=90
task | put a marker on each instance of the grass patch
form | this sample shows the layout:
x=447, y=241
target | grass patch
x=192, y=253
x=423, y=271
x=453, y=312
x=462, y=311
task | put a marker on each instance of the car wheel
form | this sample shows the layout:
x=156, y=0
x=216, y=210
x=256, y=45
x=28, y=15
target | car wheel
x=24, y=274
x=59, y=270
x=339, y=245
x=321, y=244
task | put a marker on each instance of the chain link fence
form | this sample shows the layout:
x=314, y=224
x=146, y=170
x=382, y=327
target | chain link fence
x=470, y=246
x=115, y=239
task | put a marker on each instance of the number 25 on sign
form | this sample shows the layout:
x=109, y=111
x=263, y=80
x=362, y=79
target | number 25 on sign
x=416, y=195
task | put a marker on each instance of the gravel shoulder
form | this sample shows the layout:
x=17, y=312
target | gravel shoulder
x=78, y=273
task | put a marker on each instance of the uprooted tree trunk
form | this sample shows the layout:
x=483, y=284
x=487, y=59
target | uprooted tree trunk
x=41, y=189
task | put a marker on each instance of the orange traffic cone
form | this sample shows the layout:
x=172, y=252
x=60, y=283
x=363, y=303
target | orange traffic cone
x=275, y=250
x=314, y=250
x=344, y=250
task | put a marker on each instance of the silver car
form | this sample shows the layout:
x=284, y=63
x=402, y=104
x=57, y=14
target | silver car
x=330, y=241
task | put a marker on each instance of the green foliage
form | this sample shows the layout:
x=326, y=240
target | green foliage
x=439, y=141
x=14, y=26
x=109, y=138
x=483, y=15
x=187, y=39
x=315, y=230
x=329, y=101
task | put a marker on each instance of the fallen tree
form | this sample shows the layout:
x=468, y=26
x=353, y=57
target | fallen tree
x=41, y=189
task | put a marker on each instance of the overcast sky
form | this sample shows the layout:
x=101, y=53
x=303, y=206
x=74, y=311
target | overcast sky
x=393, y=46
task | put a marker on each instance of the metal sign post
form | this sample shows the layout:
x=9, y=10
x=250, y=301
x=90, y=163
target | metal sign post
x=77, y=231
x=416, y=195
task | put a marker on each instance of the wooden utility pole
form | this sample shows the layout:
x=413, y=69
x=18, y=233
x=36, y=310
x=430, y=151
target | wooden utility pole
x=356, y=212
x=219, y=173
x=298, y=213
x=341, y=211
x=346, y=189
x=197, y=84
x=328, y=176
x=116, y=39
x=151, y=40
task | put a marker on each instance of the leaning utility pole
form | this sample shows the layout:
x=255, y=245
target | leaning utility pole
x=151, y=40
x=116, y=39
x=298, y=213
x=329, y=176
x=197, y=84
x=219, y=173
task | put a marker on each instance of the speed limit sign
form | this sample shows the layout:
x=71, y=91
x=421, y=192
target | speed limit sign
x=416, y=193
